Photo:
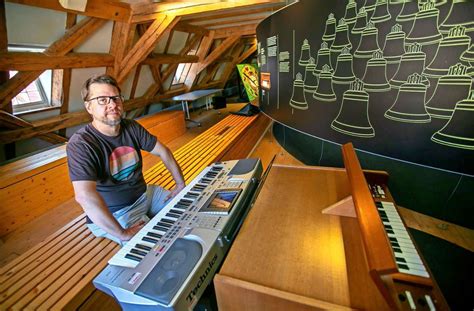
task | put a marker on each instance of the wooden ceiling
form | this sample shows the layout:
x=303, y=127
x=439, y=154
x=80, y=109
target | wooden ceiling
x=141, y=11
x=224, y=30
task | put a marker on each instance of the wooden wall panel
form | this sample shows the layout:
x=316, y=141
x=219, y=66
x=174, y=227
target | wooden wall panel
x=34, y=195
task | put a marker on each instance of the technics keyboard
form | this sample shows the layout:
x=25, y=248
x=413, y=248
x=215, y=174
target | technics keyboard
x=170, y=261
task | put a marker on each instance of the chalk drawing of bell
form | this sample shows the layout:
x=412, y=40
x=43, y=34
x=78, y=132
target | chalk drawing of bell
x=305, y=53
x=459, y=131
x=409, y=106
x=353, y=116
x=451, y=88
x=298, y=98
x=449, y=52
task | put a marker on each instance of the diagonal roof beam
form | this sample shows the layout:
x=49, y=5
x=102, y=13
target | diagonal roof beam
x=202, y=51
x=145, y=44
x=217, y=52
x=154, y=88
x=73, y=37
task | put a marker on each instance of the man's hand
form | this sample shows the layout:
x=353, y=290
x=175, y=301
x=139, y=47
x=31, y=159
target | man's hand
x=177, y=189
x=128, y=233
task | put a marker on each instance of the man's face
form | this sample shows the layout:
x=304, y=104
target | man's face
x=110, y=113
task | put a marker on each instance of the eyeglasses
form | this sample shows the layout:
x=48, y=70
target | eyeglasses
x=105, y=100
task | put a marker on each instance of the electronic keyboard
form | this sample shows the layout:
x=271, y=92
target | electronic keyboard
x=170, y=261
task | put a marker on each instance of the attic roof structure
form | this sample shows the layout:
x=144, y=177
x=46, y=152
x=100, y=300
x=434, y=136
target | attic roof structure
x=155, y=50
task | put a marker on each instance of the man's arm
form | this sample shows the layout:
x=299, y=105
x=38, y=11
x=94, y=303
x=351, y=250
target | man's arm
x=170, y=162
x=96, y=209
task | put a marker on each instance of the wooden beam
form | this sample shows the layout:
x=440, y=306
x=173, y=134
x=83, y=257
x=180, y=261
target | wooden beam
x=209, y=85
x=57, y=87
x=461, y=236
x=247, y=53
x=10, y=121
x=145, y=44
x=236, y=12
x=154, y=88
x=246, y=30
x=71, y=20
x=66, y=86
x=237, y=60
x=104, y=9
x=156, y=74
x=72, y=38
x=225, y=59
x=145, y=12
x=9, y=149
x=15, y=85
x=135, y=81
x=121, y=42
x=3, y=29
x=156, y=59
x=231, y=65
x=210, y=73
x=235, y=22
x=217, y=52
x=186, y=27
x=29, y=61
x=204, y=48
x=4, y=75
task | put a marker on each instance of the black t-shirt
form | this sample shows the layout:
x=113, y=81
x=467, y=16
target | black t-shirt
x=115, y=163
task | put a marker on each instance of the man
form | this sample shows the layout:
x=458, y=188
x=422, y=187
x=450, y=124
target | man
x=105, y=165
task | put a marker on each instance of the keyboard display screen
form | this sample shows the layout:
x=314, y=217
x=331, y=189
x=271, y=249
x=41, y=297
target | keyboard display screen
x=221, y=202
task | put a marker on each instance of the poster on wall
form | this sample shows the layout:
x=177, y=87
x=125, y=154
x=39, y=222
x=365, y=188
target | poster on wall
x=249, y=75
x=395, y=77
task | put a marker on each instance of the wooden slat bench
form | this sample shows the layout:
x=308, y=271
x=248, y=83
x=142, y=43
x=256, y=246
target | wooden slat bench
x=57, y=273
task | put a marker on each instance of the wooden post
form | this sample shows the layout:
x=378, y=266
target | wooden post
x=66, y=76
x=9, y=149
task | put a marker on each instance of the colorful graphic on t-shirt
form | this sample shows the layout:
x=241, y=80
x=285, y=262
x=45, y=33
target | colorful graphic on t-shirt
x=123, y=162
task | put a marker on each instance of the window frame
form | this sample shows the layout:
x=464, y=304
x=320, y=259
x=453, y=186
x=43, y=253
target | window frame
x=183, y=75
x=36, y=106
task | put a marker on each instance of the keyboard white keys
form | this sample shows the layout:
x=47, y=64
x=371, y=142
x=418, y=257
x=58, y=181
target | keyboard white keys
x=406, y=256
x=130, y=255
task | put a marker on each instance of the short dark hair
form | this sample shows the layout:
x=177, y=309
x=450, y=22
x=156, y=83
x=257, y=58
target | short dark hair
x=104, y=79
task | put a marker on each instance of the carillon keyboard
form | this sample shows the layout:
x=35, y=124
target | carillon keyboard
x=393, y=260
x=406, y=256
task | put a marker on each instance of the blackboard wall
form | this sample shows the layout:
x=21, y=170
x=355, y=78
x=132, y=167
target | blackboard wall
x=398, y=85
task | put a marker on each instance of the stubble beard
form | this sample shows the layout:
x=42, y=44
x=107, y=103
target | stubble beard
x=110, y=122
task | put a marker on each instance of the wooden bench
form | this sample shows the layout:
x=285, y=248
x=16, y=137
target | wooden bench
x=57, y=273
